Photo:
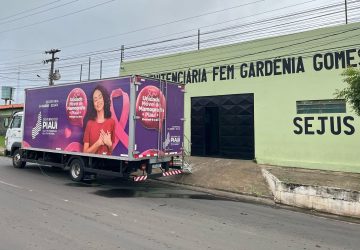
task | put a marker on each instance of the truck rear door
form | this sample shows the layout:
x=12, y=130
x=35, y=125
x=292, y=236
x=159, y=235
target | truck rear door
x=159, y=111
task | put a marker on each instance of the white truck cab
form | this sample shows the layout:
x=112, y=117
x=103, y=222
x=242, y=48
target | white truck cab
x=13, y=139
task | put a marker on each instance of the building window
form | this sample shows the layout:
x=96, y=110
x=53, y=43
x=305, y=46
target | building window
x=321, y=106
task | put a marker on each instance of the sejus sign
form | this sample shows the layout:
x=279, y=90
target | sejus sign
x=268, y=67
x=321, y=125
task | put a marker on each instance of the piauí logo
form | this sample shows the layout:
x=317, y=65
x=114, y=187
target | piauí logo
x=36, y=130
x=167, y=141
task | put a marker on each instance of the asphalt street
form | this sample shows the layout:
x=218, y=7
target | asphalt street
x=41, y=208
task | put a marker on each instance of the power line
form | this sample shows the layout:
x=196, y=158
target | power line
x=19, y=50
x=236, y=19
x=168, y=40
x=29, y=10
x=36, y=13
x=222, y=37
x=326, y=35
x=305, y=54
x=262, y=24
x=174, y=47
x=251, y=54
x=117, y=58
x=289, y=6
x=57, y=17
x=162, y=24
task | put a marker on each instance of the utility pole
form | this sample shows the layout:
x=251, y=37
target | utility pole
x=18, y=85
x=346, y=16
x=52, y=60
x=122, y=53
x=100, y=69
x=198, y=39
x=89, y=68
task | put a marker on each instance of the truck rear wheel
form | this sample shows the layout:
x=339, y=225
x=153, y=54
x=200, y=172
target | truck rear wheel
x=76, y=170
x=16, y=159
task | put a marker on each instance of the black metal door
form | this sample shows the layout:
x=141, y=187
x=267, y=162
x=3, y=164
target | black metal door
x=223, y=126
x=212, y=131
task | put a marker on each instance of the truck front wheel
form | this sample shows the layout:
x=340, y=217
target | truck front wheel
x=16, y=159
x=77, y=170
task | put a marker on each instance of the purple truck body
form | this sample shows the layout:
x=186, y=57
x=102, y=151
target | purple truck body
x=144, y=116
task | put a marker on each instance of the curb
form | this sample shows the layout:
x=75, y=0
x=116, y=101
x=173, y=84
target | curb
x=263, y=201
x=319, y=198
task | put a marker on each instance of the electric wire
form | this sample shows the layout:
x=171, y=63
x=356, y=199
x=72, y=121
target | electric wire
x=174, y=47
x=29, y=10
x=57, y=17
x=204, y=14
x=281, y=47
x=36, y=13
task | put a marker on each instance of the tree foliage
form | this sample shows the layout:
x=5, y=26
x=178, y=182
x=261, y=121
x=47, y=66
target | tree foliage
x=351, y=93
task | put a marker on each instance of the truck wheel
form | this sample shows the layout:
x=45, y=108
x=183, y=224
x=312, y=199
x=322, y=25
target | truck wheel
x=76, y=170
x=16, y=159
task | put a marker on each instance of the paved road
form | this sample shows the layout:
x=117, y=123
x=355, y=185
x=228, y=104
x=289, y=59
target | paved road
x=43, y=209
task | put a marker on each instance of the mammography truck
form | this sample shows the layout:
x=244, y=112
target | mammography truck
x=123, y=127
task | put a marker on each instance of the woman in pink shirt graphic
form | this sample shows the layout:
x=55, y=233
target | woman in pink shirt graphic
x=99, y=133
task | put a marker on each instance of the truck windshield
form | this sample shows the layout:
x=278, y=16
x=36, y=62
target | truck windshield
x=16, y=122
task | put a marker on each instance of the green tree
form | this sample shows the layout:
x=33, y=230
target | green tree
x=351, y=93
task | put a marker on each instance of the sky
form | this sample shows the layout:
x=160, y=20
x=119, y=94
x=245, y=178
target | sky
x=84, y=29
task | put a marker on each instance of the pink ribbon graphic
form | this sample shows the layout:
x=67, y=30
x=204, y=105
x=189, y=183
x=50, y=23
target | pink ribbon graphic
x=120, y=134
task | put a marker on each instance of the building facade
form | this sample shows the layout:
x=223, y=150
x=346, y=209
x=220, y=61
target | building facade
x=6, y=112
x=270, y=99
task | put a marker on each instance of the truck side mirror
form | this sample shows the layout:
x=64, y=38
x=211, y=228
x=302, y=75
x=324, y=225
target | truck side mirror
x=6, y=122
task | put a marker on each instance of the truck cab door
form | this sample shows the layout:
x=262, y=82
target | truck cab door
x=14, y=132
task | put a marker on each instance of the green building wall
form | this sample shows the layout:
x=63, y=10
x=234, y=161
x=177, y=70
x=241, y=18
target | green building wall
x=275, y=95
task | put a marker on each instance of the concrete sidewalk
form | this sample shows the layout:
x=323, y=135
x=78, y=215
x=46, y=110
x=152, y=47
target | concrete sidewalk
x=237, y=176
x=325, y=191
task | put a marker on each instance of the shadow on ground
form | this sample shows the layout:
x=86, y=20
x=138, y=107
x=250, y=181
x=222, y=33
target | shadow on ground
x=156, y=193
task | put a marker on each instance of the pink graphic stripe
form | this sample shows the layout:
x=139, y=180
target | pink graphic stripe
x=120, y=134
